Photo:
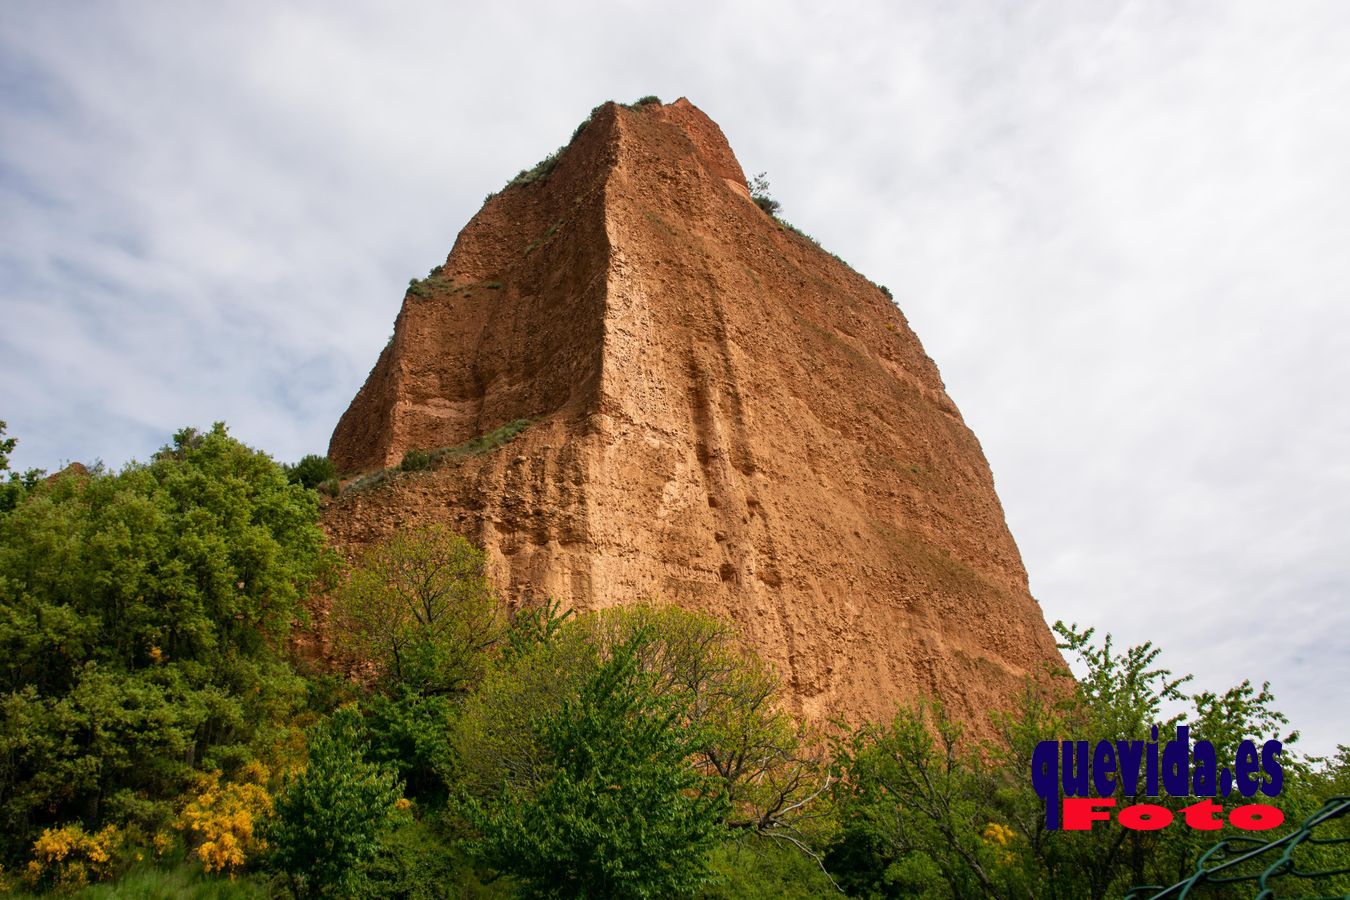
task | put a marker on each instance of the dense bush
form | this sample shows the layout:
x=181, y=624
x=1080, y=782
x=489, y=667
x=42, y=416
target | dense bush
x=312, y=471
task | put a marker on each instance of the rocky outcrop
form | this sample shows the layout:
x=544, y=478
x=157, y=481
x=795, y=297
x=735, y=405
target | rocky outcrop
x=723, y=416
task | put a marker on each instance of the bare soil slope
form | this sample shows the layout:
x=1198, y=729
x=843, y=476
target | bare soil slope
x=723, y=416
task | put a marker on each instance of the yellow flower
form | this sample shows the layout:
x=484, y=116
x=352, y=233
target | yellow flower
x=224, y=816
x=995, y=833
x=68, y=856
x=402, y=803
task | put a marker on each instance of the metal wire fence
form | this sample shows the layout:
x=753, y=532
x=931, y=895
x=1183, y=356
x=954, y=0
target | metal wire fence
x=1271, y=869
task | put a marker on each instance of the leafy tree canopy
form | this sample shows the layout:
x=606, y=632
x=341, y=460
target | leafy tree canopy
x=618, y=812
x=140, y=615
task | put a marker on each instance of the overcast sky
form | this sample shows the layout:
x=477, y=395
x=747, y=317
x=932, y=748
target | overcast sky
x=1122, y=230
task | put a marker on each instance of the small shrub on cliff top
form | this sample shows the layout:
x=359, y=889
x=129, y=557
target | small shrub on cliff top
x=759, y=192
x=650, y=99
x=540, y=171
x=422, y=287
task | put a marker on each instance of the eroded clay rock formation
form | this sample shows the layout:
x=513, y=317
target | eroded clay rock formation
x=723, y=416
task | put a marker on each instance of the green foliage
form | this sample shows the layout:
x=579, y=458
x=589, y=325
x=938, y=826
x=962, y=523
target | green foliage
x=541, y=169
x=7, y=446
x=140, y=616
x=534, y=626
x=183, y=880
x=925, y=813
x=414, y=862
x=410, y=734
x=765, y=869
x=419, y=606
x=649, y=100
x=331, y=818
x=618, y=812
x=771, y=771
x=759, y=192
x=425, y=287
x=916, y=797
x=415, y=461
x=13, y=485
x=498, y=437
x=312, y=471
x=768, y=772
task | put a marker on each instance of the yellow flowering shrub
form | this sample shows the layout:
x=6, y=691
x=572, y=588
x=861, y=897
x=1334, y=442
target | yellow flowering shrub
x=66, y=858
x=162, y=843
x=999, y=836
x=224, y=818
x=994, y=833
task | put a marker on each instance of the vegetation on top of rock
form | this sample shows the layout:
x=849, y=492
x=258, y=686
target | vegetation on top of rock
x=415, y=461
x=311, y=471
x=420, y=460
x=539, y=171
x=759, y=192
x=423, y=287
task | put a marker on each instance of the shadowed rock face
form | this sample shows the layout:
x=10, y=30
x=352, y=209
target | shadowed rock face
x=723, y=416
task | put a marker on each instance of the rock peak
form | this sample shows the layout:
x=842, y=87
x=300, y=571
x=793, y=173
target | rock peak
x=721, y=415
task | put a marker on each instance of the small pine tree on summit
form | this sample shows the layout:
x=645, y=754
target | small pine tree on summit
x=759, y=192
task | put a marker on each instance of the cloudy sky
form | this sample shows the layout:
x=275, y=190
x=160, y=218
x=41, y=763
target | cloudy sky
x=1121, y=229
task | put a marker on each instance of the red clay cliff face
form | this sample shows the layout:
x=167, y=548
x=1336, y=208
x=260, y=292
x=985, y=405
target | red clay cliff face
x=723, y=416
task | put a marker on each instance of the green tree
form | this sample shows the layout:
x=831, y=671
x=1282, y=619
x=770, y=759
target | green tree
x=915, y=800
x=410, y=733
x=331, y=818
x=759, y=192
x=770, y=768
x=312, y=471
x=13, y=485
x=6, y=446
x=141, y=614
x=927, y=813
x=419, y=606
x=617, y=811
